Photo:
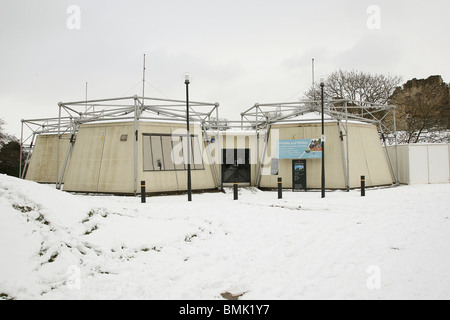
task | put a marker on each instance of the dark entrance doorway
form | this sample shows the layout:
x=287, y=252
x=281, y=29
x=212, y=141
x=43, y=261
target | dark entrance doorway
x=236, y=166
x=298, y=175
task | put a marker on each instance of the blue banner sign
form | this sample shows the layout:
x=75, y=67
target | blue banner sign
x=300, y=149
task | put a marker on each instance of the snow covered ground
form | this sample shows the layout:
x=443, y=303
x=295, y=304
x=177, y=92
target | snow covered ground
x=392, y=244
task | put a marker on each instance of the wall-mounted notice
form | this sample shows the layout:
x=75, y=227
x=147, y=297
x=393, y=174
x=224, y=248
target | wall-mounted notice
x=300, y=149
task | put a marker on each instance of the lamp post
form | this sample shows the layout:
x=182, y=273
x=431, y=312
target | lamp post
x=186, y=82
x=322, y=84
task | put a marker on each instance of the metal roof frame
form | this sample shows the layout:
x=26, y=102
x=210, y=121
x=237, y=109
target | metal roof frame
x=263, y=116
x=260, y=117
x=132, y=108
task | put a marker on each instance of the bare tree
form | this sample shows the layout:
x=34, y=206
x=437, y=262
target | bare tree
x=356, y=85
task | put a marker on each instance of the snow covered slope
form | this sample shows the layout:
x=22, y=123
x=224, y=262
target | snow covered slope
x=392, y=244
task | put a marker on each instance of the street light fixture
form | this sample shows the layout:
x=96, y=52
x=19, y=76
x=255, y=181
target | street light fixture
x=322, y=85
x=186, y=82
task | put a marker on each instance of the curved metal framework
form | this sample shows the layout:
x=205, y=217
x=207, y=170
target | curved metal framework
x=73, y=114
x=260, y=117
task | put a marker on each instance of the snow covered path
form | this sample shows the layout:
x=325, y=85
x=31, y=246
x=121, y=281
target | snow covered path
x=392, y=244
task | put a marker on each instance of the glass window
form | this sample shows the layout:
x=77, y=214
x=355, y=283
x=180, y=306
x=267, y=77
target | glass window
x=167, y=153
x=197, y=153
x=177, y=153
x=157, y=155
x=163, y=152
x=229, y=156
x=148, y=162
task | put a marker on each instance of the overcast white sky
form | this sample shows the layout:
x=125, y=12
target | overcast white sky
x=238, y=52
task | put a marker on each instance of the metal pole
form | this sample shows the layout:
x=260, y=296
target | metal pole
x=143, y=192
x=387, y=152
x=27, y=159
x=262, y=156
x=347, y=174
x=135, y=144
x=208, y=150
x=344, y=160
x=280, y=188
x=313, y=82
x=218, y=153
x=363, y=186
x=254, y=156
x=85, y=106
x=397, y=177
x=186, y=81
x=143, y=85
x=257, y=168
x=21, y=151
x=69, y=150
x=57, y=146
x=235, y=191
x=322, y=142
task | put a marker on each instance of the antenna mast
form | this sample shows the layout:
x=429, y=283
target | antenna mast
x=85, y=108
x=143, y=83
x=313, y=82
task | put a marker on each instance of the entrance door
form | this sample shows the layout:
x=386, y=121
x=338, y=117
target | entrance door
x=298, y=175
x=236, y=165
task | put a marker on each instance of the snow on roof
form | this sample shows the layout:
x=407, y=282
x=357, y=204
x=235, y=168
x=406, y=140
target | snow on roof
x=313, y=117
x=170, y=121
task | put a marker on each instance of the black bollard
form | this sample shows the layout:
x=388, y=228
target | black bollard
x=235, y=191
x=142, y=191
x=363, y=186
x=280, y=188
